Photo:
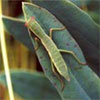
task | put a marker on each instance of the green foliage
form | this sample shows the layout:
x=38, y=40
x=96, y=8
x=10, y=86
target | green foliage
x=84, y=83
x=17, y=29
x=78, y=77
x=80, y=3
x=31, y=85
x=80, y=25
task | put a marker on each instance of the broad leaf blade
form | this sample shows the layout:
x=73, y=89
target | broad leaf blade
x=72, y=89
x=80, y=3
x=64, y=40
x=17, y=29
x=79, y=24
x=31, y=86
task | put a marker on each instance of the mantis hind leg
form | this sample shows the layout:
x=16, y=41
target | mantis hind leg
x=57, y=75
x=55, y=29
x=73, y=54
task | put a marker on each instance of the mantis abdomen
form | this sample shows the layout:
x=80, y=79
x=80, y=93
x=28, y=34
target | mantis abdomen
x=51, y=48
x=55, y=56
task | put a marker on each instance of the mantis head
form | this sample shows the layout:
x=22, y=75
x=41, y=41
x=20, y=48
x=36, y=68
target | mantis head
x=31, y=19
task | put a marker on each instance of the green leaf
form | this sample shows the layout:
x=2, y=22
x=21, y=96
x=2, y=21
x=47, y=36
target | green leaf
x=9, y=23
x=17, y=29
x=80, y=3
x=87, y=47
x=95, y=16
x=91, y=7
x=80, y=25
x=80, y=86
x=31, y=86
x=94, y=10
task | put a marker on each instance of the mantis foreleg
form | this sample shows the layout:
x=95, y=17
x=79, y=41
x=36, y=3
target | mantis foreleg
x=55, y=29
x=57, y=75
x=36, y=40
x=73, y=54
x=36, y=43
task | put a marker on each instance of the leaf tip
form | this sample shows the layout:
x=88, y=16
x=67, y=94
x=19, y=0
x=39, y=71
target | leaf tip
x=23, y=3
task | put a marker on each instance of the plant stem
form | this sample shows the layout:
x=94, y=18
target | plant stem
x=4, y=55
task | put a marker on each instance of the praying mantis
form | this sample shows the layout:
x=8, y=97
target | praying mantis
x=59, y=67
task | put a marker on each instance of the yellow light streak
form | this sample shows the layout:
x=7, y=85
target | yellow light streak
x=4, y=55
